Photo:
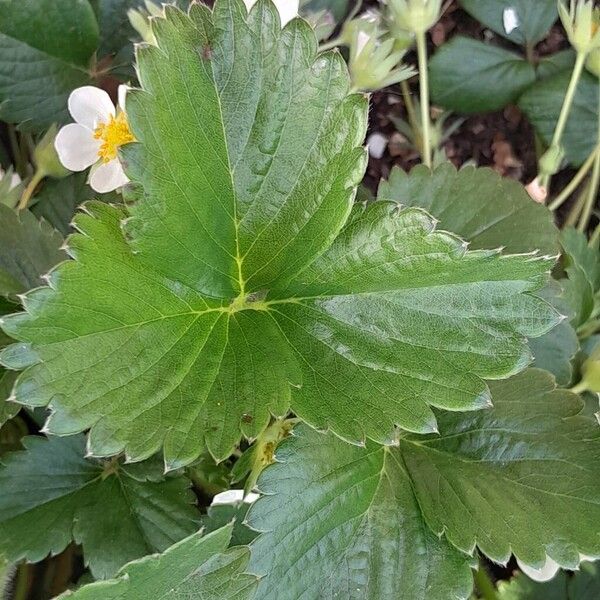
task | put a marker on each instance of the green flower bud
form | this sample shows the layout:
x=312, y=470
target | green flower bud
x=45, y=157
x=593, y=62
x=374, y=64
x=581, y=23
x=551, y=160
x=416, y=16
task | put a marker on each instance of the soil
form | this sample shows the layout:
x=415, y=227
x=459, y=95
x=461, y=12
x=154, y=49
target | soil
x=503, y=140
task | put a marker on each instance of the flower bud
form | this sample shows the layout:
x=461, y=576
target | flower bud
x=416, y=16
x=581, y=23
x=374, y=63
x=593, y=62
x=551, y=160
x=46, y=158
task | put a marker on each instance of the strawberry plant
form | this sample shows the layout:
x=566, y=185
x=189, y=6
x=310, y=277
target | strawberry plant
x=223, y=375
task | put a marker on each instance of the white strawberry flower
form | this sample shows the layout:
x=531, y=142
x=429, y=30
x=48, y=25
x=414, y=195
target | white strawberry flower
x=288, y=9
x=94, y=139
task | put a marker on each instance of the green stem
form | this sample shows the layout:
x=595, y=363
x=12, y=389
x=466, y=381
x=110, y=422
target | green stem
x=595, y=237
x=424, y=85
x=411, y=113
x=26, y=197
x=485, y=586
x=565, y=110
x=22, y=582
x=577, y=179
x=579, y=388
x=593, y=185
x=330, y=44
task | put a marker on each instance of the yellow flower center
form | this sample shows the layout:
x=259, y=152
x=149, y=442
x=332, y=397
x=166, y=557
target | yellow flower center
x=113, y=134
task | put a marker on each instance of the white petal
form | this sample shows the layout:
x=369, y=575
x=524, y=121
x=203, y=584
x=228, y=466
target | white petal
x=546, y=573
x=122, y=96
x=107, y=177
x=510, y=19
x=90, y=106
x=76, y=147
x=288, y=9
x=233, y=497
x=15, y=180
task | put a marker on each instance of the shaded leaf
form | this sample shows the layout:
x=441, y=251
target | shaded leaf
x=340, y=521
x=197, y=567
x=219, y=515
x=485, y=209
x=533, y=19
x=373, y=522
x=542, y=104
x=37, y=72
x=28, y=249
x=53, y=495
x=469, y=76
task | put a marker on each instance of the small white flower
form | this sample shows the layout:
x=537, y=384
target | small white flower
x=95, y=137
x=234, y=497
x=288, y=9
x=15, y=180
x=510, y=20
x=376, y=144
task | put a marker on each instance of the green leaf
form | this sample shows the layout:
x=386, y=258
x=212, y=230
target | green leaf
x=554, y=351
x=487, y=210
x=227, y=299
x=582, y=266
x=469, y=76
x=53, y=495
x=37, y=72
x=542, y=104
x=583, y=585
x=219, y=515
x=534, y=18
x=197, y=567
x=553, y=64
x=6, y=574
x=28, y=249
x=58, y=200
x=339, y=521
x=7, y=409
x=520, y=478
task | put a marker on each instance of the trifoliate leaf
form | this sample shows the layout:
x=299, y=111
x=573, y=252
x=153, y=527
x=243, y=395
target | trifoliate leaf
x=542, y=104
x=197, y=567
x=520, y=21
x=523, y=477
x=227, y=299
x=28, y=249
x=582, y=585
x=470, y=76
x=485, y=209
x=52, y=495
x=340, y=521
x=37, y=72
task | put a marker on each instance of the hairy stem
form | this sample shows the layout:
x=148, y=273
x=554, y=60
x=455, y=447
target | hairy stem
x=485, y=586
x=28, y=192
x=424, y=86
